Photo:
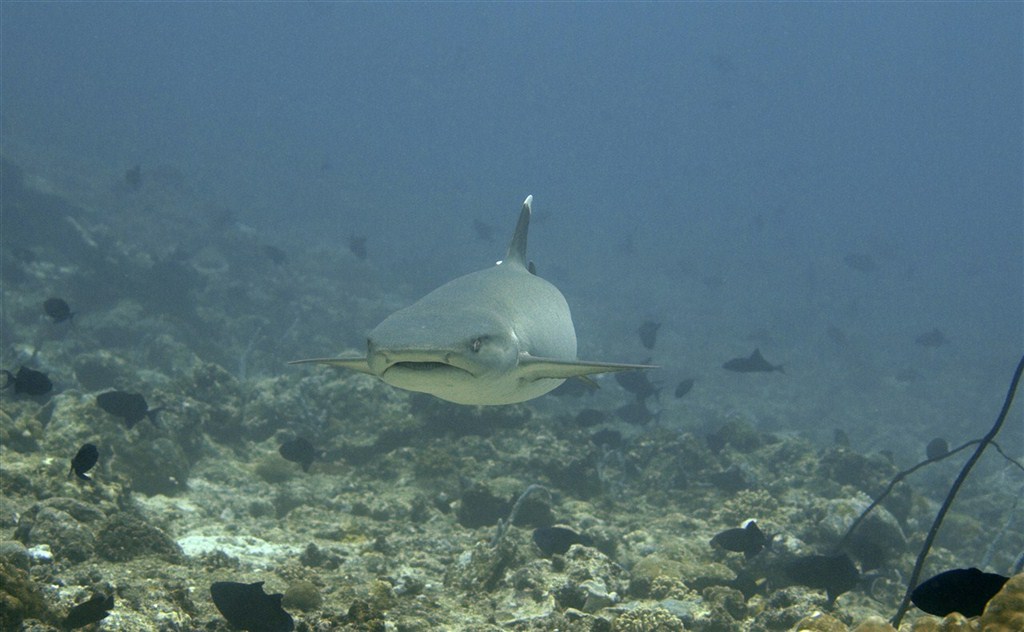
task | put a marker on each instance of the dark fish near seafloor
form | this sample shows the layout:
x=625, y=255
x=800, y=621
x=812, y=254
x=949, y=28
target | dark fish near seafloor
x=96, y=608
x=57, y=309
x=635, y=413
x=299, y=450
x=131, y=407
x=748, y=540
x=963, y=590
x=84, y=460
x=648, y=333
x=684, y=387
x=557, y=540
x=638, y=384
x=835, y=574
x=608, y=438
x=753, y=364
x=590, y=417
x=27, y=381
x=247, y=607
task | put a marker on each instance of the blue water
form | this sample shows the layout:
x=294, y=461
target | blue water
x=708, y=166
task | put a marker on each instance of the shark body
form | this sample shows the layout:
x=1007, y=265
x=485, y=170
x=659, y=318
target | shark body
x=496, y=336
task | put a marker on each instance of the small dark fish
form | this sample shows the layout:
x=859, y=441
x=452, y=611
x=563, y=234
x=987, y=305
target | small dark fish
x=840, y=438
x=835, y=574
x=635, y=413
x=131, y=407
x=748, y=584
x=732, y=479
x=713, y=282
x=648, y=333
x=638, y=383
x=91, y=611
x=133, y=177
x=684, y=387
x=936, y=447
x=275, y=254
x=837, y=336
x=749, y=540
x=357, y=246
x=57, y=309
x=907, y=376
x=963, y=590
x=860, y=262
x=27, y=381
x=247, y=607
x=754, y=364
x=484, y=232
x=86, y=457
x=590, y=417
x=557, y=540
x=716, y=441
x=299, y=451
x=933, y=338
x=608, y=438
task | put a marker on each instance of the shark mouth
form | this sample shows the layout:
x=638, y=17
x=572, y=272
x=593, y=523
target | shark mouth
x=421, y=366
x=426, y=366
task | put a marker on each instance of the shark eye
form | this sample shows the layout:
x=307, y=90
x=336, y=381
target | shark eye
x=476, y=344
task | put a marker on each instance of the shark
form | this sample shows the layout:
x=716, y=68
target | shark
x=500, y=335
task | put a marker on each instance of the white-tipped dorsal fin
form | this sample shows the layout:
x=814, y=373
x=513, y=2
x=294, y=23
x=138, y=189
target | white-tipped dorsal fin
x=517, y=248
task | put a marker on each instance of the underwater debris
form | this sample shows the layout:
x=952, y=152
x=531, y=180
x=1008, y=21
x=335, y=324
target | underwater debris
x=57, y=309
x=247, y=607
x=648, y=333
x=131, y=407
x=983, y=443
x=83, y=461
x=27, y=381
x=963, y=590
x=96, y=608
x=753, y=364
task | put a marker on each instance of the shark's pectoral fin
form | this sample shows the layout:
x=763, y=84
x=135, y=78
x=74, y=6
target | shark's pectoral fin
x=534, y=368
x=356, y=364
